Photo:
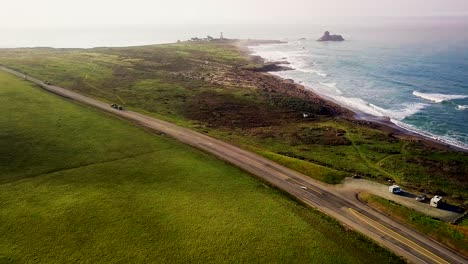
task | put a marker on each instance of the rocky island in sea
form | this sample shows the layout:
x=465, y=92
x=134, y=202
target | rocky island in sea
x=327, y=37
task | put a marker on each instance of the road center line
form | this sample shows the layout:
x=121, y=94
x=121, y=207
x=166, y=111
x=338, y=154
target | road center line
x=398, y=237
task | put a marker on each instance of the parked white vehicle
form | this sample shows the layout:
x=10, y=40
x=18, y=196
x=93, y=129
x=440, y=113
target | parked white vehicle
x=436, y=201
x=395, y=189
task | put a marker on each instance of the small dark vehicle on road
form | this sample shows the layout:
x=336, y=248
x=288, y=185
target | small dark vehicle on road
x=47, y=82
x=117, y=106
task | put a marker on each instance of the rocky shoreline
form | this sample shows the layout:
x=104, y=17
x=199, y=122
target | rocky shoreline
x=264, y=79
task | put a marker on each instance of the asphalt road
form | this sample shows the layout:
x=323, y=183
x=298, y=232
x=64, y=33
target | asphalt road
x=413, y=246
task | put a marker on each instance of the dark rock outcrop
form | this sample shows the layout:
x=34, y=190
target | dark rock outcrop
x=268, y=67
x=327, y=37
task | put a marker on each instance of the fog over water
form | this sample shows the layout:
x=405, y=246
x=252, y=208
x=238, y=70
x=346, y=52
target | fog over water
x=70, y=13
x=393, y=30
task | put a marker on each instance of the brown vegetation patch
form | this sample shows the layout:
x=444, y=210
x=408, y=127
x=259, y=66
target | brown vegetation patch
x=322, y=136
x=226, y=110
x=453, y=169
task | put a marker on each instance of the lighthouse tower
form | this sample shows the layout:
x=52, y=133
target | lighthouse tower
x=221, y=36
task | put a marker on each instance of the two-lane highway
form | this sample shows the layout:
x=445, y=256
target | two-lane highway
x=402, y=240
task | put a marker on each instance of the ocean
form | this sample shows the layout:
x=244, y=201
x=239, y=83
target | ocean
x=417, y=77
x=413, y=71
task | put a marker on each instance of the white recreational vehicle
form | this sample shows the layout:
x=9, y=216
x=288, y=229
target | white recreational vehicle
x=436, y=201
x=395, y=189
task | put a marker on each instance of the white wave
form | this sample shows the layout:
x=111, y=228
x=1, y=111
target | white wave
x=405, y=111
x=444, y=139
x=297, y=59
x=437, y=97
x=400, y=113
x=396, y=116
x=309, y=70
x=302, y=63
x=270, y=56
x=358, y=104
x=319, y=73
x=332, y=86
x=361, y=105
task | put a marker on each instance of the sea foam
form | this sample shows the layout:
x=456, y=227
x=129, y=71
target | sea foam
x=300, y=64
x=444, y=139
x=332, y=86
x=437, y=97
x=319, y=73
x=297, y=59
x=315, y=60
x=404, y=111
x=400, y=113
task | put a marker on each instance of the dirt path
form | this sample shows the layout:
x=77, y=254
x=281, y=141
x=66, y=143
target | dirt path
x=402, y=240
x=363, y=157
x=85, y=78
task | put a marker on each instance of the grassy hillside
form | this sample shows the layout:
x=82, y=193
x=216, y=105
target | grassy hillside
x=77, y=185
x=205, y=86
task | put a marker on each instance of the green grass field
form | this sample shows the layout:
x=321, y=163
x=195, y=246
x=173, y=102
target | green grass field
x=197, y=85
x=77, y=185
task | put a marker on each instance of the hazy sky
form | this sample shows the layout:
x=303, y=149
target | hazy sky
x=34, y=13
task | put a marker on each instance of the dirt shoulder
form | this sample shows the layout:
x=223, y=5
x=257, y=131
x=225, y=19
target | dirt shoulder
x=406, y=198
x=451, y=235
